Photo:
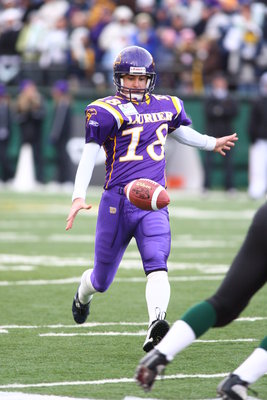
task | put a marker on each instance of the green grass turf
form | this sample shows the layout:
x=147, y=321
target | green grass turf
x=206, y=231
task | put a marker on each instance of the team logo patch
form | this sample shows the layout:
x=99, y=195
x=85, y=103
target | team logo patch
x=128, y=109
x=112, y=210
x=92, y=122
x=89, y=113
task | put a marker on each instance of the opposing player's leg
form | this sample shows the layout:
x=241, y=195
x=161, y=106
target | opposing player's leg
x=236, y=385
x=111, y=240
x=153, y=240
x=183, y=333
x=247, y=274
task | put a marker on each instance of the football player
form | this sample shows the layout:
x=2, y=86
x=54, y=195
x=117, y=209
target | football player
x=132, y=126
x=247, y=274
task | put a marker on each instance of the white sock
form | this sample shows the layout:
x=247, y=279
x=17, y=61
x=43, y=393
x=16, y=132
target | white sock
x=254, y=367
x=157, y=294
x=86, y=288
x=180, y=336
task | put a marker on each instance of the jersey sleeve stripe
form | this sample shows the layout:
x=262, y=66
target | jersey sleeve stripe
x=111, y=110
x=177, y=104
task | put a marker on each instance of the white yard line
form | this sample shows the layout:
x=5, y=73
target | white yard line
x=139, y=333
x=40, y=282
x=25, y=396
x=66, y=281
x=52, y=261
x=131, y=265
x=131, y=261
x=31, y=396
x=107, y=381
x=78, y=326
x=103, y=324
x=14, y=268
x=108, y=333
x=22, y=237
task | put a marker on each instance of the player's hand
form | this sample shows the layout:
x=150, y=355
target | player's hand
x=77, y=205
x=225, y=143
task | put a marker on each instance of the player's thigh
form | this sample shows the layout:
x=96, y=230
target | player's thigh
x=153, y=237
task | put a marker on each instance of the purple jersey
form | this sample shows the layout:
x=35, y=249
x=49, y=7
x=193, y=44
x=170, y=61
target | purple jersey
x=133, y=135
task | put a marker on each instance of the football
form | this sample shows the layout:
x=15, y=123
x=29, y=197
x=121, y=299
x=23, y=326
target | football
x=146, y=194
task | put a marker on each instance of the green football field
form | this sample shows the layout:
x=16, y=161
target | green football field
x=42, y=350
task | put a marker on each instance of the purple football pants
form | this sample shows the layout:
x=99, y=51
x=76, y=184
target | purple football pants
x=118, y=221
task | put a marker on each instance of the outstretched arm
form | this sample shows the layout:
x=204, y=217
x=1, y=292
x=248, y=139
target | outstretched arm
x=82, y=180
x=190, y=137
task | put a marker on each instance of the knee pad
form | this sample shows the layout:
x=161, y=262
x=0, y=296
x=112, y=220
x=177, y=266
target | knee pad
x=155, y=261
x=154, y=240
x=100, y=282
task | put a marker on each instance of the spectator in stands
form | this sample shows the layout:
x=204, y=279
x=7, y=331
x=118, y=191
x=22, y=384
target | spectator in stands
x=186, y=57
x=28, y=46
x=258, y=143
x=146, y=6
x=206, y=14
x=6, y=167
x=54, y=49
x=242, y=44
x=235, y=29
x=61, y=130
x=10, y=26
x=82, y=56
x=30, y=114
x=191, y=11
x=100, y=16
x=209, y=56
x=145, y=35
x=78, y=5
x=115, y=36
x=220, y=109
x=52, y=10
x=8, y=7
x=165, y=57
x=162, y=17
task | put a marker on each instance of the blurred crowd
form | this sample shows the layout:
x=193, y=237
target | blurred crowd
x=213, y=48
x=190, y=40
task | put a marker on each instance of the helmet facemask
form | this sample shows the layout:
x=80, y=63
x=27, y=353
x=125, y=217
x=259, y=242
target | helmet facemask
x=133, y=93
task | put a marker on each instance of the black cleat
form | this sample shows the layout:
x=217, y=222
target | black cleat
x=149, y=367
x=80, y=311
x=233, y=388
x=155, y=334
